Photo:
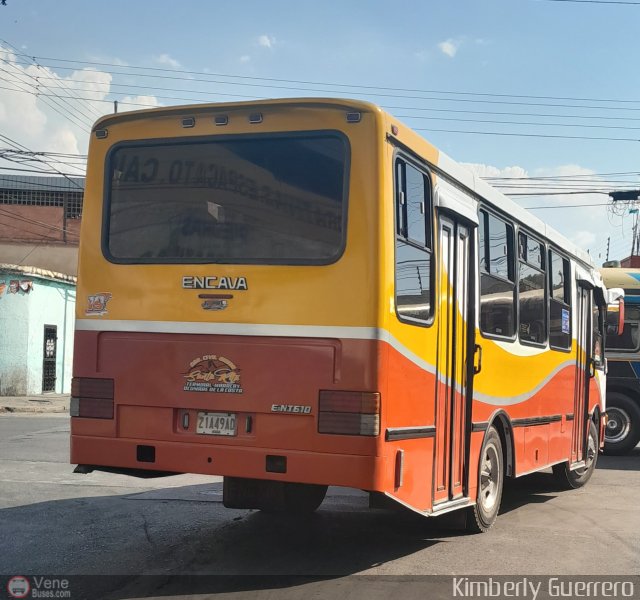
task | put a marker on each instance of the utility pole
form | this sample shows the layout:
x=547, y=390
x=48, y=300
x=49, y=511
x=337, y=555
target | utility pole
x=629, y=196
x=608, y=244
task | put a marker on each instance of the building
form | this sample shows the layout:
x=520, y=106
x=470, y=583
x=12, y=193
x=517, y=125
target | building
x=39, y=234
x=40, y=221
x=37, y=324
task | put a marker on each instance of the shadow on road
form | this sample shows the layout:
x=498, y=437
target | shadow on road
x=177, y=531
x=174, y=534
x=627, y=462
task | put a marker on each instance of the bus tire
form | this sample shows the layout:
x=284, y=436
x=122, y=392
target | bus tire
x=622, y=433
x=482, y=515
x=569, y=479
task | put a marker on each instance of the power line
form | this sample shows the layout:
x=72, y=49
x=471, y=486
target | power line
x=562, y=206
x=368, y=93
x=577, y=175
x=538, y=135
x=459, y=120
x=446, y=110
x=35, y=222
x=49, y=100
x=64, y=102
x=27, y=182
x=595, y=2
x=333, y=84
x=12, y=142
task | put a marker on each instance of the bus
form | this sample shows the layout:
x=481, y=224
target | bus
x=301, y=293
x=623, y=356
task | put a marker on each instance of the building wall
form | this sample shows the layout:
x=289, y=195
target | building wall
x=51, y=257
x=14, y=347
x=23, y=316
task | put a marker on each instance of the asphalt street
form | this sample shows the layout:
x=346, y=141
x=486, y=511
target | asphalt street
x=53, y=521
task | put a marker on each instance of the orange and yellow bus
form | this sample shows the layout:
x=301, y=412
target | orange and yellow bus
x=294, y=294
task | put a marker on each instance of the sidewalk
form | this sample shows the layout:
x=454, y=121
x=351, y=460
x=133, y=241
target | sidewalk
x=46, y=403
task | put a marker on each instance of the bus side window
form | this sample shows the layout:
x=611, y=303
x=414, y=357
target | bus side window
x=497, y=281
x=559, y=302
x=531, y=290
x=413, y=244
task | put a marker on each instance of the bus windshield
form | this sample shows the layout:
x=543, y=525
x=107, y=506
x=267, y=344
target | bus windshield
x=257, y=200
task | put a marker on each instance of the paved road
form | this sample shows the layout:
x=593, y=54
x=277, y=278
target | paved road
x=55, y=522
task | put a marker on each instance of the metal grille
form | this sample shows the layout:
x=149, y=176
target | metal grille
x=71, y=201
x=49, y=352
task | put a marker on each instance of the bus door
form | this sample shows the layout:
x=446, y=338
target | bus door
x=454, y=285
x=583, y=366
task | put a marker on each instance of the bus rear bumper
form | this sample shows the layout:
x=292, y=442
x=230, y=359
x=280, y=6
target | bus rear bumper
x=347, y=470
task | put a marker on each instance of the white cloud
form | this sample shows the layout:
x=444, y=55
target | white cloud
x=139, y=102
x=245, y=59
x=449, y=47
x=266, y=41
x=165, y=60
x=60, y=117
x=586, y=226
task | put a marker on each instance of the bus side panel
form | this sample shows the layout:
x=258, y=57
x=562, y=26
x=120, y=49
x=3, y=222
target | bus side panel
x=409, y=461
x=536, y=444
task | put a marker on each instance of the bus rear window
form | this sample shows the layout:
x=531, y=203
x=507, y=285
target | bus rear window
x=258, y=200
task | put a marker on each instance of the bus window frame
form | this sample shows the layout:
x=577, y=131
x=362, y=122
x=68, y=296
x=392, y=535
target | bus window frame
x=545, y=276
x=618, y=350
x=408, y=158
x=490, y=210
x=203, y=139
x=551, y=248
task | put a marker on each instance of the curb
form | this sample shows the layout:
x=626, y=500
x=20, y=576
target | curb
x=11, y=408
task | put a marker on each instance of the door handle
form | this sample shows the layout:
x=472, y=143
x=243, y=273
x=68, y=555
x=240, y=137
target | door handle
x=477, y=350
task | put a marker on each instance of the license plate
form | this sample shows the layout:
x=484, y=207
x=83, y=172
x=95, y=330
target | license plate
x=210, y=423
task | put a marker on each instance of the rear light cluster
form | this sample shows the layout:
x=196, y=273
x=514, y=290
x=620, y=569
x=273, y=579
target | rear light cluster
x=92, y=398
x=349, y=413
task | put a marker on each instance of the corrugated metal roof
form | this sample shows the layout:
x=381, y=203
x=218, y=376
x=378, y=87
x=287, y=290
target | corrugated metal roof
x=37, y=272
x=41, y=183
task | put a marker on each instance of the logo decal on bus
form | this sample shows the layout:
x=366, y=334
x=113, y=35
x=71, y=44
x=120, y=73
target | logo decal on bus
x=97, y=304
x=215, y=301
x=212, y=373
x=295, y=409
x=190, y=282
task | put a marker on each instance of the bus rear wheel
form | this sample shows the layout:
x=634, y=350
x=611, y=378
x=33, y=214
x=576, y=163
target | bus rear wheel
x=623, y=427
x=482, y=516
x=576, y=478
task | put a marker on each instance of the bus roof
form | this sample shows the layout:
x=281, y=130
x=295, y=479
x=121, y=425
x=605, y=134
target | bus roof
x=459, y=174
x=627, y=279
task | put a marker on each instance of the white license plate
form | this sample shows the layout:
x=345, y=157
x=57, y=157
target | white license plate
x=211, y=423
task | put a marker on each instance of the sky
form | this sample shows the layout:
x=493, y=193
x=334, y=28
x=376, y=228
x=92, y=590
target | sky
x=540, y=97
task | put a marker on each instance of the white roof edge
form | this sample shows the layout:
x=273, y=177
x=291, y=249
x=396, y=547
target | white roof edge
x=496, y=198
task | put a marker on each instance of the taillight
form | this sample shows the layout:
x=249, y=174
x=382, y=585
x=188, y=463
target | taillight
x=92, y=398
x=349, y=413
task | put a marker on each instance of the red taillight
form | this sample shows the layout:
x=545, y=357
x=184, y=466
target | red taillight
x=349, y=413
x=92, y=398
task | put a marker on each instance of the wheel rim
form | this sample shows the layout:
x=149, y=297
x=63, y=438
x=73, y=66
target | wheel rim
x=618, y=425
x=591, y=453
x=489, y=478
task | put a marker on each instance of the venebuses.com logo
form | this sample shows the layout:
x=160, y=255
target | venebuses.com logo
x=38, y=587
x=18, y=587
